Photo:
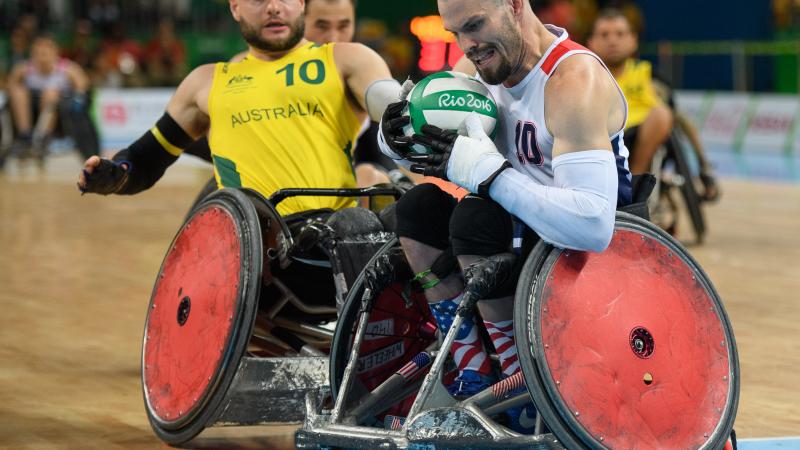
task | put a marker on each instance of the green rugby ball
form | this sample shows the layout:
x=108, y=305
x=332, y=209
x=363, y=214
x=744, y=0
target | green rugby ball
x=444, y=99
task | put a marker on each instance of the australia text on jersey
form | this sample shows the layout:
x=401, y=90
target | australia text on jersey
x=296, y=109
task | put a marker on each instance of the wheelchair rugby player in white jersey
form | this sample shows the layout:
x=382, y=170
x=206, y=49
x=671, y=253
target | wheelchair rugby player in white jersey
x=550, y=182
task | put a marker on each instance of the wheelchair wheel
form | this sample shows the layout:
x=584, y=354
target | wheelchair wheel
x=679, y=153
x=400, y=326
x=628, y=348
x=201, y=316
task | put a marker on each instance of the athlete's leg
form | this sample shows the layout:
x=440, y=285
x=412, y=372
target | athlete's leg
x=423, y=217
x=480, y=227
x=21, y=110
x=48, y=106
x=368, y=174
x=652, y=133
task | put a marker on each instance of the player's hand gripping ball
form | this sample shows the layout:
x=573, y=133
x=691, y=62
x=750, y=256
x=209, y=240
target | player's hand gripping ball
x=444, y=99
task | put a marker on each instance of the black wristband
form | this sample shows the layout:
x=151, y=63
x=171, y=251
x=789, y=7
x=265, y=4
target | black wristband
x=483, y=188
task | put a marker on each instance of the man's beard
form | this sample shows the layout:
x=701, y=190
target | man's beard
x=499, y=74
x=252, y=36
x=614, y=62
x=512, y=45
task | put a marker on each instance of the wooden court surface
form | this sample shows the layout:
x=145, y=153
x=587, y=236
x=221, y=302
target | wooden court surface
x=76, y=274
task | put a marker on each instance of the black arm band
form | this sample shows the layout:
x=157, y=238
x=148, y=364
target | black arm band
x=150, y=155
x=483, y=188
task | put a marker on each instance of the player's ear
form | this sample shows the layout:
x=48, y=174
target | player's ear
x=234, y=6
x=517, y=6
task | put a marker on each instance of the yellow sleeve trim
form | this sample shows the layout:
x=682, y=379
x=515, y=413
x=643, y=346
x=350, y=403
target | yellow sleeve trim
x=171, y=149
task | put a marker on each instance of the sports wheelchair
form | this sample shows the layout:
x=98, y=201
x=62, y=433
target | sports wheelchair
x=626, y=348
x=237, y=332
x=685, y=176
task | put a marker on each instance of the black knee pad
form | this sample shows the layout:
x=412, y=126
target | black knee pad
x=480, y=227
x=423, y=214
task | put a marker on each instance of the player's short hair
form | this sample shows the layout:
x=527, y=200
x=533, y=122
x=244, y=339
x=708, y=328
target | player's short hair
x=352, y=2
x=44, y=36
x=609, y=14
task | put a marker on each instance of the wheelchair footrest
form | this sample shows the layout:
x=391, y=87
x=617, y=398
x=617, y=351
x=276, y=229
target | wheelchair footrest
x=272, y=390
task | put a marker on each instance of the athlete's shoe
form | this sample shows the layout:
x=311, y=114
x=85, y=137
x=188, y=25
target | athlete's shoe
x=522, y=419
x=469, y=383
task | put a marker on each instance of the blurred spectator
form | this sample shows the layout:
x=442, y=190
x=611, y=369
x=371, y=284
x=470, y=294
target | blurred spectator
x=47, y=91
x=119, y=62
x=165, y=57
x=29, y=24
x=629, y=9
x=649, y=119
x=82, y=47
x=17, y=48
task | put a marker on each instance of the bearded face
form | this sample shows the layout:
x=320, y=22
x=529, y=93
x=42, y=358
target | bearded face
x=267, y=37
x=270, y=26
x=498, y=57
x=487, y=34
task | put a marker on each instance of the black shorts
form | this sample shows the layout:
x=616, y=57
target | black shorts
x=475, y=226
x=630, y=137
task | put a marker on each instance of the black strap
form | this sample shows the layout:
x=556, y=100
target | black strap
x=483, y=188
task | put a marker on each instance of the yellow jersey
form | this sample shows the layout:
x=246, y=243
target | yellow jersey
x=636, y=82
x=283, y=124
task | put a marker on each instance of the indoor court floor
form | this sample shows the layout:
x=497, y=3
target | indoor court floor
x=76, y=274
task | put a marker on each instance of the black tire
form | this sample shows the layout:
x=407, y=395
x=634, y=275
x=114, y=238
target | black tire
x=79, y=126
x=208, y=188
x=688, y=189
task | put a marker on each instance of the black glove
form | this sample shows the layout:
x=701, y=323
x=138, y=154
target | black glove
x=392, y=123
x=107, y=178
x=441, y=144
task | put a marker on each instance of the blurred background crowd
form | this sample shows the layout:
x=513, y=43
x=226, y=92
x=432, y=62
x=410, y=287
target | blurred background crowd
x=745, y=45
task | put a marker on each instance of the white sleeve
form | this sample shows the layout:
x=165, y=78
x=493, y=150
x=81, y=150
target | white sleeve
x=577, y=212
x=379, y=94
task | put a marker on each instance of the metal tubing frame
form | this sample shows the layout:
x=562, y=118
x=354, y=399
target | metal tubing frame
x=363, y=317
x=436, y=368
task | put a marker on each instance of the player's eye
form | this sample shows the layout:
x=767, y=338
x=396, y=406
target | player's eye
x=472, y=27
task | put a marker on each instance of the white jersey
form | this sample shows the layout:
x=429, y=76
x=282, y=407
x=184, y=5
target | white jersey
x=57, y=79
x=522, y=135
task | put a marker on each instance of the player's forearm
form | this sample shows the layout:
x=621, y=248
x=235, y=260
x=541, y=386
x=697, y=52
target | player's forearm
x=149, y=157
x=578, y=212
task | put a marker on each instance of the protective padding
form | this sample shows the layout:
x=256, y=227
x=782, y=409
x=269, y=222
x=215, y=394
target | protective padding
x=198, y=285
x=636, y=353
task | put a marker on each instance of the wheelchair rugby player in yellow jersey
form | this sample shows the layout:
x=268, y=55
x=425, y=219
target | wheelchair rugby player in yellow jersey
x=281, y=125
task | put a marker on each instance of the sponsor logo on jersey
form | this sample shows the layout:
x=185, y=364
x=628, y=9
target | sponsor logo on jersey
x=289, y=111
x=239, y=81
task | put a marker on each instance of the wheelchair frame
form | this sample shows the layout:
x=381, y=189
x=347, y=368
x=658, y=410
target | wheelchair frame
x=436, y=420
